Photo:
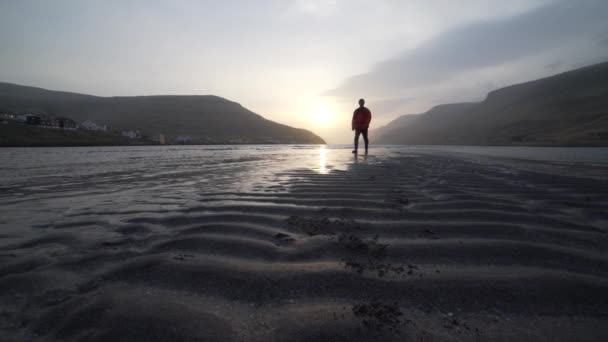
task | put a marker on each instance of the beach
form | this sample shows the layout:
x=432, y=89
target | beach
x=303, y=243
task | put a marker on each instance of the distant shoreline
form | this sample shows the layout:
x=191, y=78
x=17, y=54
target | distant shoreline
x=22, y=135
x=312, y=144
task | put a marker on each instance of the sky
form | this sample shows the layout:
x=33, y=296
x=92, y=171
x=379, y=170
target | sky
x=304, y=63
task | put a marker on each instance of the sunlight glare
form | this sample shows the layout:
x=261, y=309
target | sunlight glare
x=323, y=160
x=322, y=114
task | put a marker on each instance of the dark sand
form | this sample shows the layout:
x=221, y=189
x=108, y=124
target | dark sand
x=415, y=246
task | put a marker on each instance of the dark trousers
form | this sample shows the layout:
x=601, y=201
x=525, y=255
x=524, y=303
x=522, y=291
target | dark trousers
x=364, y=133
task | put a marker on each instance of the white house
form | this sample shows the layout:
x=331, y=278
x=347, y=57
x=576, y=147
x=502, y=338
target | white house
x=131, y=134
x=92, y=126
x=7, y=116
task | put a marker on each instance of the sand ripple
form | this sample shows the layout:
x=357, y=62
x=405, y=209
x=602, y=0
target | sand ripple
x=418, y=245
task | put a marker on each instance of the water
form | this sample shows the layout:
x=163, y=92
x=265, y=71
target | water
x=554, y=154
x=42, y=185
x=39, y=185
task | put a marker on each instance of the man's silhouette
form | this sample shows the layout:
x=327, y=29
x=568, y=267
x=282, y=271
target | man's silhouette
x=361, y=119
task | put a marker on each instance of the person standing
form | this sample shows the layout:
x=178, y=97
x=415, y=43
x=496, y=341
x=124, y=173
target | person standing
x=360, y=124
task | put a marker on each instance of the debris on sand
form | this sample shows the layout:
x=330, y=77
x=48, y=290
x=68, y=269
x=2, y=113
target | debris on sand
x=365, y=255
x=453, y=323
x=378, y=316
x=358, y=267
x=370, y=247
x=384, y=269
x=321, y=225
x=310, y=226
x=379, y=268
x=411, y=269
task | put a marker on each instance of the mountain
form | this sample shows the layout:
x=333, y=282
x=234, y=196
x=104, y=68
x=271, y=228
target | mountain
x=568, y=109
x=201, y=118
x=393, y=131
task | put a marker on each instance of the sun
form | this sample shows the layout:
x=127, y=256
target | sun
x=322, y=114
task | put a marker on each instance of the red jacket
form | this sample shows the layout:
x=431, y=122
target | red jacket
x=361, y=118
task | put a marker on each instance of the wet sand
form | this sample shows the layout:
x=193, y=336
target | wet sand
x=404, y=245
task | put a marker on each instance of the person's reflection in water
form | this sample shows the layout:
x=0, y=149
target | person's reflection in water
x=356, y=156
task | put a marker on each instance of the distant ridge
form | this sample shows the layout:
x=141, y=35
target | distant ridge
x=568, y=109
x=204, y=118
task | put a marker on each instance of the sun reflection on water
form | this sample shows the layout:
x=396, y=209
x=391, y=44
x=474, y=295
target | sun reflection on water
x=323, y=160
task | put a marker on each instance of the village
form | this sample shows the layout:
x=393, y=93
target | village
x=63, y=123
x=45, y=121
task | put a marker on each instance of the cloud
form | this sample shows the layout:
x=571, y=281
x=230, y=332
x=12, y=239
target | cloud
x=554, y=66
x=480, y=45
x=603, y=41
x=316, y=7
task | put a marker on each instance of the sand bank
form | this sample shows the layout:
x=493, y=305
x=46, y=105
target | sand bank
x=402, y=245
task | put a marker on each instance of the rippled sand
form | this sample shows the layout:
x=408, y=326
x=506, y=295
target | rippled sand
x=300, y=244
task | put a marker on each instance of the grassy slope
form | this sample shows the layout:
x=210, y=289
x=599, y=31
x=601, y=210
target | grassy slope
x=569, y=109
x=195, y=116
x=16, y=134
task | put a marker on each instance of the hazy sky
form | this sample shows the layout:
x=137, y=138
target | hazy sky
x=302, y=63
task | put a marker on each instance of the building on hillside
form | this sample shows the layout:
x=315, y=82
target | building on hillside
x=65, y=123
x=92, y=126
x=160, y=139
x=131, y=134
x=49, y=122
x=33, y=120
x=23, y=117
x=7, y=116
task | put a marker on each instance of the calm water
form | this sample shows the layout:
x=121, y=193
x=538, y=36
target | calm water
x=38, y=185
x=591, y=155
x=45, y=168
